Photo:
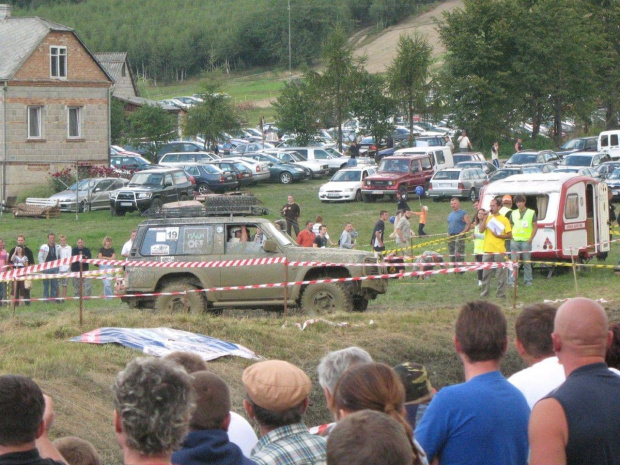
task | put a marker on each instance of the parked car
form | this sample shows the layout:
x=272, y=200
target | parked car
x=589, y=159
x=455, y=182
x=242, y=149
x=284, y=173
x=390, y=151
x=125, y=163
x=430, y=141
x=180, y=146
x=346, y=184
x=485, y=166
x=92, y=194
x=398, y=174
x=609, y=142
x=242, y=172
x=368, y=146
x=185, y=102
x=580, y=170
x=180, y=159
x=613, y=184
x=260, y=169
x=525, y=157
x=580, y=144
x=605, y=169
x=151, y=189
x=317, y=168
x=211, y=178
x=469, y=156
x=400, y=133
x=321, y=155
x=503, y=173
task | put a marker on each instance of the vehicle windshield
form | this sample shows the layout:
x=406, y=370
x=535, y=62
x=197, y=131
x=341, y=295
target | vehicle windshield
x=572, y=144
x=296, y=156
x=271, y=159
x=84, y=185
x=576, y=160
x=211, y=169
x=501, y=174
x=467, y=164
x=396, y=166
x=523, y=158
x=141, y=161
x=333, y=152
x=615, y=174
x=346, y=176
x=451, y=175
x=147, y=179
x=272, y=231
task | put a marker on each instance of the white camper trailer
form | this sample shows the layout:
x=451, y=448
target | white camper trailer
x=572, y=213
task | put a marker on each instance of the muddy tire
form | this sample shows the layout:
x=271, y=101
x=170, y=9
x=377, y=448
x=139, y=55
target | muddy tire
x=195, y=301
x=360, y=304
x=156, y=206
x=358, y=196
x=326, y=298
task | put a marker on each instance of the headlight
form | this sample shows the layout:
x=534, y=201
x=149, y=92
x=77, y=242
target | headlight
x=113, y=195
x=390, y=183
x=145, y=195
x=350, y=189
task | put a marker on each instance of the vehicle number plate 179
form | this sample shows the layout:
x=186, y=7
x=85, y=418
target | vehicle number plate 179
x=126, y=204
x=377, y=192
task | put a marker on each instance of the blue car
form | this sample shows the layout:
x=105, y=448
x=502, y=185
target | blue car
x=209, y=178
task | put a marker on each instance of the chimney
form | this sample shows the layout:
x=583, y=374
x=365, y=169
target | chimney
x=5, y=11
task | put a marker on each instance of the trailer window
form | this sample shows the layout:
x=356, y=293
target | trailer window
x=572, y=207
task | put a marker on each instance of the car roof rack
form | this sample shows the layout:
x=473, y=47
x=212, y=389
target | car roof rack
x=214, y=205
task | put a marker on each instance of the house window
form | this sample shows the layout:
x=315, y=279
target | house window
x=34, y=122
x=75, y=122
x=58, y=62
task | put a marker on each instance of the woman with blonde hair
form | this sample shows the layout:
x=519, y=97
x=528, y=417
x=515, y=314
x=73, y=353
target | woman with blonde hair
x=375, y=386
x=107, y=252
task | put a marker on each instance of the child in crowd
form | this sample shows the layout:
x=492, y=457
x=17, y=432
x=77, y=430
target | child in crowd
x=422, y=215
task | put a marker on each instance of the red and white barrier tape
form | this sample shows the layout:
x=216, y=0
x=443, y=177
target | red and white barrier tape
x=36, y=268
x=289, y=284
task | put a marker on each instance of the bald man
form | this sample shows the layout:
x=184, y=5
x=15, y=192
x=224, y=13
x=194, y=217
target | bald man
x=578, y=423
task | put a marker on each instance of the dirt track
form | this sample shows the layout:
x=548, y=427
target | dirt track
x=381, y=50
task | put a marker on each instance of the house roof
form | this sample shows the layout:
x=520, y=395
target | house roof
x=113, y=63
x=20, y=36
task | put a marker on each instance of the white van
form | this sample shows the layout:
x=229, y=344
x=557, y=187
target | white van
x=609, y=143
x=441, y=157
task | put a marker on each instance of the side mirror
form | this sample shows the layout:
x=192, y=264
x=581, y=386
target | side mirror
x=168, y=184
x=270, y=246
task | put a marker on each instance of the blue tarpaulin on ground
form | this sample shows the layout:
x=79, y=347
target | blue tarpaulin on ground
x=162, y=341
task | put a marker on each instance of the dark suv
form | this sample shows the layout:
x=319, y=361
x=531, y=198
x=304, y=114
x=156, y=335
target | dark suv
x=150, y=189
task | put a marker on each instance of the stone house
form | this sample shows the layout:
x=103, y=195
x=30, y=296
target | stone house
x=54, y=102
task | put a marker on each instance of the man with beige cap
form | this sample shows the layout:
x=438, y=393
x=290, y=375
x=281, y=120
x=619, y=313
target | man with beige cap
x=277, y=398
x=578, y=422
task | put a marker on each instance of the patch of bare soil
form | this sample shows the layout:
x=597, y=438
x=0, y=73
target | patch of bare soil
x=381, y=50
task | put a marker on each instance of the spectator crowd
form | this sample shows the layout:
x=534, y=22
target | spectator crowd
x=562, y=409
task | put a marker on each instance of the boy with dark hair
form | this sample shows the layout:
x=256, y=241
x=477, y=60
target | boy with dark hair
x=544, y=373
x=26, y=416
x=207, y=441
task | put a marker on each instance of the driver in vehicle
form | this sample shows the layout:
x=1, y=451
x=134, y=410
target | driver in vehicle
x=238, y=234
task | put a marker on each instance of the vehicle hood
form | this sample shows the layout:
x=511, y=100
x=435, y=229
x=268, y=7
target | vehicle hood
x=340, y=186
x=386, y=176
x=140, y=189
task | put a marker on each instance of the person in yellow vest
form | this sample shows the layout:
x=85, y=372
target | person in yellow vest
x=524, y=227
x=506, y=205
x=497, y=230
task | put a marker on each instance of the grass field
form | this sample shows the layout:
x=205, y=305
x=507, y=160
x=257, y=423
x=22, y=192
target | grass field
x=413, y=321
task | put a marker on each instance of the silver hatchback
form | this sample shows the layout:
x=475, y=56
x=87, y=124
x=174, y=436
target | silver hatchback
x=456, y=182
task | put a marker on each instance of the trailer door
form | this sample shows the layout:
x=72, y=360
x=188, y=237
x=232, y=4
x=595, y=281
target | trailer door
x=574, y=233
x=603, y=218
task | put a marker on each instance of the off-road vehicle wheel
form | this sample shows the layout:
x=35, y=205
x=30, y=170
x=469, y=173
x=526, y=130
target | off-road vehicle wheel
x=360, y=304
x=195, y=301
x=115, y=212
x=84, y=206
x=358, y=196
x=203, y=188
x=326, y=298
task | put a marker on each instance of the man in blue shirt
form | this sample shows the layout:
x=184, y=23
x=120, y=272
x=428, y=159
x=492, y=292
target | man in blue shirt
x=459, y=222
x=483, y=420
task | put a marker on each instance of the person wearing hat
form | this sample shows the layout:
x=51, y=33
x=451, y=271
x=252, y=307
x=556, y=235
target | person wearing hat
x=238, y=234
x=506, y=205
x=277, y=398
x=418, y=390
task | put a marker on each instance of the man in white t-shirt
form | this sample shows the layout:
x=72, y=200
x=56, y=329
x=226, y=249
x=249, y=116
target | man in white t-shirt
x=127, y=247
x=65, y=252
x=464, y=143
x=534, y=344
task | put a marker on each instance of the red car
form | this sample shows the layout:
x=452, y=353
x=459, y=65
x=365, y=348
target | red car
x=398, y=173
